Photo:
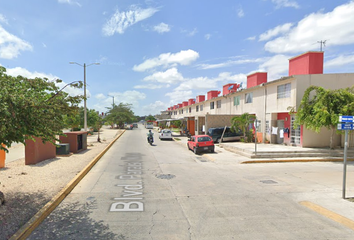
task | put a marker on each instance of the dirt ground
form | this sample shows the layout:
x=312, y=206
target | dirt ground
x=27, y=188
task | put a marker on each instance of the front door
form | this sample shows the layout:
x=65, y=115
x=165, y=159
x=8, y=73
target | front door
x=280, y=137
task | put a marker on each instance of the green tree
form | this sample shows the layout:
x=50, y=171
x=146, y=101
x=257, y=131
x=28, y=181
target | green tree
x=242, y=123
x=120, y=114
x=92, y=118
x=150, y=118
x=33, y=108
x=75, y=121
x=321, y=107
x=177, y=123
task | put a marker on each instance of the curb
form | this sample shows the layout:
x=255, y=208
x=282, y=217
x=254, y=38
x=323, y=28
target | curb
x=34, y=222
x=329, y=214
x=297, y=160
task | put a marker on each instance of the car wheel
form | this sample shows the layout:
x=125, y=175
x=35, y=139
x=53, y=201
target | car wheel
x=188, y=147
x=212, y=150
x=195, y=151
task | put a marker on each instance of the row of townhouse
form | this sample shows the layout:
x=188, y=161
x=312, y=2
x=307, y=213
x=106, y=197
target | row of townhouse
x=268, y=101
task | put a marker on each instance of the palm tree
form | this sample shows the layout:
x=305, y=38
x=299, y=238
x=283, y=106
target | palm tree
x=242, y=122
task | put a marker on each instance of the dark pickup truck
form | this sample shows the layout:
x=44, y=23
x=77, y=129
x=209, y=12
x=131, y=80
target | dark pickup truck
x=216, y=133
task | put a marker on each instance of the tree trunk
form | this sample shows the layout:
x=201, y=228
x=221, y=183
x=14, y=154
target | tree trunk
x=331, y=142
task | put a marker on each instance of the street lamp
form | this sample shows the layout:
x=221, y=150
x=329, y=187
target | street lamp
x=85, y=112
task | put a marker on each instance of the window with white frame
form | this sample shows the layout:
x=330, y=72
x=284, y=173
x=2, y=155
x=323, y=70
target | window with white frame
x=283, y=91
x=248, y=97
x=190, y=110
x=218, y=104
x=212, y=105
x=236, y=100
x=197, y=108
x=201, y=108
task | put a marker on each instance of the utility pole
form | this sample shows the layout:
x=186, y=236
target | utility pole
x=322, y=43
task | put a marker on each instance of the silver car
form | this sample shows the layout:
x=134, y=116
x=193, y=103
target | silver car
x=165, y=134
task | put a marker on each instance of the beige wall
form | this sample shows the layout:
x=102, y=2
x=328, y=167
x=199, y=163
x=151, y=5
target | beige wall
x=217, y=121
x=322, y=139
x=328, y=81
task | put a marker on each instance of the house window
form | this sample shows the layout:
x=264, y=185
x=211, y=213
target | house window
x=283, y=91
x=236, y=100
x=197, y=108
x=212, y=105
x=218, y=104
x=201, y=108
x=248, y=97
x=190, y=109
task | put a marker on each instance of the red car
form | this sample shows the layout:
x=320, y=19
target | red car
x=200, y=143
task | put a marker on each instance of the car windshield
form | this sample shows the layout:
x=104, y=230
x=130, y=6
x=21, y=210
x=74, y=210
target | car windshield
x=204, y=139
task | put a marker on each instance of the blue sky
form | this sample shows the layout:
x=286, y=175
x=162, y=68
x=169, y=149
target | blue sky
x=157, y=53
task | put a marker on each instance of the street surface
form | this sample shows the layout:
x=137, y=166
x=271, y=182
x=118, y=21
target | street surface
x=138, y=191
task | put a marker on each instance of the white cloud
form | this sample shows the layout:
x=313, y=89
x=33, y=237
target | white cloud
x=100, y=96
x=251, y=38
x=281, y=29
x=120, y=21
x=151, y=86
x=340, y=61
x=170, y=76
x=162, y=28
x=154, y=108
x=3, y=19
x=276, y=66
x=18, y=71
x=10, y=45
x=285, y=3
x=230, y=63
x=205, y=83
x=131, y=97
x=70, y=2
x=207, y=36
x=179, y=96
x=190, y=33
x=315, y=27
x=240, y=12
x=184, y=57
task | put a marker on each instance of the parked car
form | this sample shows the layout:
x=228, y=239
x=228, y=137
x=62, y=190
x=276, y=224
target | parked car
x=135, y=125
x=200, y=143
x=165, y=134
x=216, y=133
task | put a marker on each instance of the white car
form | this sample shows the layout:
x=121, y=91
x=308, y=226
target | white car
x=149, y=126
x=165, y=134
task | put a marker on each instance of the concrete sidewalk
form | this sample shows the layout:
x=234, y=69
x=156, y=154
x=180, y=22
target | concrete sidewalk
x=262, y=153
x=17, y=151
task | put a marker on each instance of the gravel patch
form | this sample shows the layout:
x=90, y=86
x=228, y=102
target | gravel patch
x=27, y=188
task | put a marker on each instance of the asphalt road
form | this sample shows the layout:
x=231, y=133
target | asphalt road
x=164, y=191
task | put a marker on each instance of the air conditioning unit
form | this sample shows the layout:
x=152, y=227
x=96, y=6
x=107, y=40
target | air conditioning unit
x=63, y=149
